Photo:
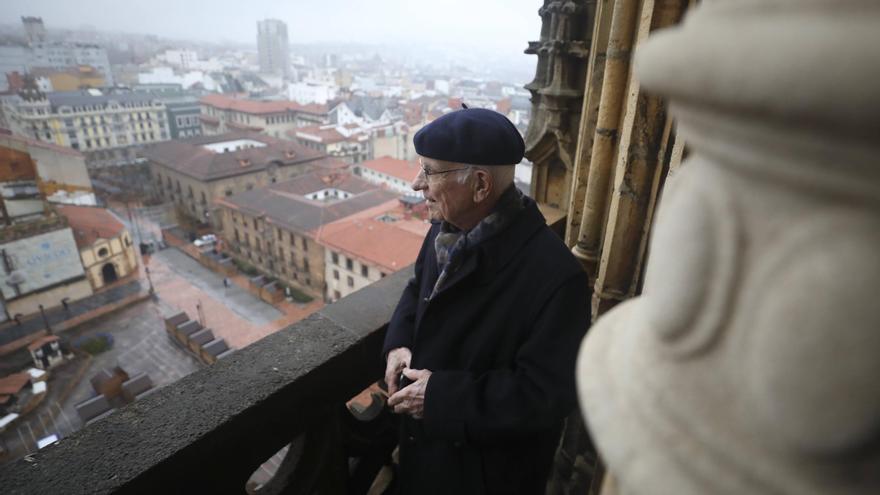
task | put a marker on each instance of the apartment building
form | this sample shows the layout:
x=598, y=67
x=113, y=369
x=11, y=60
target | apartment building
x=222, y=113
x=346, y=142
x=107, y=126
x=273, y=47
x=192, y=173
x=276, y=228
x=364, y=248
x=69, y=78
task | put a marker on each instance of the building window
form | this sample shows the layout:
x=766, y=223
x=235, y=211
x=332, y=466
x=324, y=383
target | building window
x=336, y=274
x=103, y=252
x=335, y=258
x=336, y=294
x=349, y=264
x=255, y=224
x=365, y=271
x=305, y=264
x=127, y=241
x=350, y=281
x=305, y=244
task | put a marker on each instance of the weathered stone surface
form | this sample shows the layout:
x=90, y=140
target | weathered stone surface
x=209, y=431
x=749, y=363
x=557, y=95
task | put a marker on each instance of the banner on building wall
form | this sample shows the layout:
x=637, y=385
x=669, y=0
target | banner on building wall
x=31, y=264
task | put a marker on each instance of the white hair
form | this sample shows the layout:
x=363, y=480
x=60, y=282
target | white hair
x=502, y=176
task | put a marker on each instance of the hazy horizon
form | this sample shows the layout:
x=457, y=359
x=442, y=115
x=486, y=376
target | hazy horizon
x=489, y=23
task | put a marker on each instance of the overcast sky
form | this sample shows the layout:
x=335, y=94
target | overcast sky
x=490, y=23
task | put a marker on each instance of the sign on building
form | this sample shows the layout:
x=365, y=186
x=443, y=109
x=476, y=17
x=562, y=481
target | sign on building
x=31, y=264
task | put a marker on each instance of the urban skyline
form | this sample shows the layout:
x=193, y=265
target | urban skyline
x=455, y=22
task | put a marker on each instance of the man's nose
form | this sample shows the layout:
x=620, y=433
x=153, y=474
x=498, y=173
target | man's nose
x=419, y=183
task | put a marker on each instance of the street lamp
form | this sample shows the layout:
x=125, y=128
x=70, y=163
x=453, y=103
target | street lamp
x=149, y=280
x=45, y=320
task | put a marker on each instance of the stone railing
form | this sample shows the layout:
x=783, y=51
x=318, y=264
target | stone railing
x=208, y=432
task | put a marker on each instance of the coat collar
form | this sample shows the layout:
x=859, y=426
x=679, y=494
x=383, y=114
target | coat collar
x=492, y=255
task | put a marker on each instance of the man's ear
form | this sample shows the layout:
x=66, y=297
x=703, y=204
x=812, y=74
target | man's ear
x=482, y=186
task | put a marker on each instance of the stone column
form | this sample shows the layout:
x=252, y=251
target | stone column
x=557, y=94
x=750, y=362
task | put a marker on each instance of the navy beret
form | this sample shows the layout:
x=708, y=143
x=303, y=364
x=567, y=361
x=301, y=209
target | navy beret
x=474, y=136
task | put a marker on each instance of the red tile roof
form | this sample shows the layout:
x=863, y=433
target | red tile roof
x=401, y=169
x=373, y=241
x=12, y=384
x=244, y=105
x=90, y=223
x=322, y=134
x=313, y=108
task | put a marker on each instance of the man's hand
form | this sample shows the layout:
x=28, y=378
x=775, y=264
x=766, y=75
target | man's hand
x=397, y=360
x=411, y=400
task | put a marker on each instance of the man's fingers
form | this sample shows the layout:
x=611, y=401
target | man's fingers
x=414, y=374
x=391, y=380
x=407, y=392
x=397, y=398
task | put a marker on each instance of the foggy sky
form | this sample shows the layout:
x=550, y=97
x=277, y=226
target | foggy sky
x=488, y=23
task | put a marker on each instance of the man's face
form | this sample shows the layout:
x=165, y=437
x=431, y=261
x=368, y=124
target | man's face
x=447, y=197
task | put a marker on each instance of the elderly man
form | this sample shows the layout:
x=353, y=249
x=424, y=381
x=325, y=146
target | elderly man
x=481, y=348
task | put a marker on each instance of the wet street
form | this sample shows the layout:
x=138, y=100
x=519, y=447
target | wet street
x=141, y=344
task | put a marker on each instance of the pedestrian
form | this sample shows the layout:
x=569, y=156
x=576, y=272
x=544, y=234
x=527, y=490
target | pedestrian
x=480, y=351
x=225, y=282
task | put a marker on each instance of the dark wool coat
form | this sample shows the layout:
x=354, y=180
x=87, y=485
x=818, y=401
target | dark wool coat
x=501, y=341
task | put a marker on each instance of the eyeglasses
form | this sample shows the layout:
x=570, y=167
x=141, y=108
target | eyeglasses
x=429, y=173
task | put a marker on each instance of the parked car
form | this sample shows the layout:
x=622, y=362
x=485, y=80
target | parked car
x=205, y=240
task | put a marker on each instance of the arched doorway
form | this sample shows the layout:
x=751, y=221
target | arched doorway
x=108, y=273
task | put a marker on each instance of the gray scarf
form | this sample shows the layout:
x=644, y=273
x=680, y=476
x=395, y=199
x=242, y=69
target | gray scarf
x=452, y=245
